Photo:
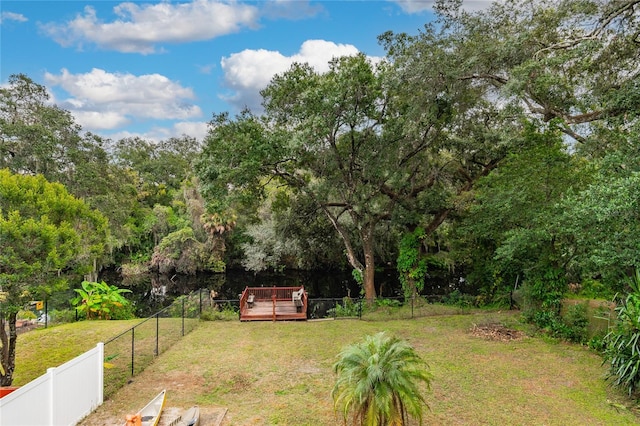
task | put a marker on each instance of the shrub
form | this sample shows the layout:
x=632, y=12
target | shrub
x=573, y=326
x=101, y=300
x=63, y=316
x=622, y=343
x=576, y=323
x=226, y=313
x=457, y=298
x=593, y=289
x=348, y=308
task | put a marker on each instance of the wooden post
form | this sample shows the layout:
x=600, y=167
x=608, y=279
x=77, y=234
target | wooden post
x=273, y=298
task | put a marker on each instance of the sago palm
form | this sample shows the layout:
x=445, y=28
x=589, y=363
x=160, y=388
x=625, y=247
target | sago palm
x=378, y=382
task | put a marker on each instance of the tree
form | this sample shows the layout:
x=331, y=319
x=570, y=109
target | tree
x=46, y=236
x=603, y=223
x=531, y=63
x=343, y=141
x=570, y=62
x=378, y=382
x=162, y=167
x=36, y=137
x=512, y=231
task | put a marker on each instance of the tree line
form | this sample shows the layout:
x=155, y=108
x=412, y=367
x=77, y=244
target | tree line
x=492, y=150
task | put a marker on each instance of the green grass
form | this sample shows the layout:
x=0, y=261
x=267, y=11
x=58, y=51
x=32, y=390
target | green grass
x=280, y=373
x=44, y=348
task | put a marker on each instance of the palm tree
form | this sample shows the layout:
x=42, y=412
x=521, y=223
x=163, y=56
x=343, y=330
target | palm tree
x=378, y=382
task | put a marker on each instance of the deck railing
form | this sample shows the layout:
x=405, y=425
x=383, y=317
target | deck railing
x=274, y=295
x=269, y=293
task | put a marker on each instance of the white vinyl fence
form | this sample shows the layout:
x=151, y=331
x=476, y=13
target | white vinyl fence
x=62, y=396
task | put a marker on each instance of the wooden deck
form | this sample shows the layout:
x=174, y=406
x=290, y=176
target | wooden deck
x=273, y=304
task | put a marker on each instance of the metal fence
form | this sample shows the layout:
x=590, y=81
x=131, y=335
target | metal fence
x=130, y=352
x=341, y=308
x=380, y=308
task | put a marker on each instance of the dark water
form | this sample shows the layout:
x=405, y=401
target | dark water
x=152, y=292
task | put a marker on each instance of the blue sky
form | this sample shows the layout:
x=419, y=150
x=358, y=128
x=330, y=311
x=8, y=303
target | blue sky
x=161, y=69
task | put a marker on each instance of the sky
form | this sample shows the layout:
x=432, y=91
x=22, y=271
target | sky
x=162, y=69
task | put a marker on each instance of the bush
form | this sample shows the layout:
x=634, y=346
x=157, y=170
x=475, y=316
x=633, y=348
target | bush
x=348, y=308
x=26, y=315
x=64, y=316
x=576, y=323
x=102, y=301
x=622, y=343
x=573, y=326
x=457, y=298
x=593, y=289
x=226, y=313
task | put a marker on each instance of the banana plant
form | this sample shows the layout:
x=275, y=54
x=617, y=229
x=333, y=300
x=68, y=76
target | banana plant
x=97, y=300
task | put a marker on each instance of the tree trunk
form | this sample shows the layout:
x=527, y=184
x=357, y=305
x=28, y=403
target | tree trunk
x=368, y=279
x=8, y=350
x=367, y=270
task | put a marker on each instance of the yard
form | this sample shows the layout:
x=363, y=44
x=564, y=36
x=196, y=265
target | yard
x=486, y=372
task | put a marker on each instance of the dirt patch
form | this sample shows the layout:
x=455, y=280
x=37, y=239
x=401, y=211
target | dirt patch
x=209, y=416
x=496, y=332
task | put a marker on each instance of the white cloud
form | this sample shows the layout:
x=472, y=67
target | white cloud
x=249, y=71
x=194, y=129
x=100, y=100
x=418, y=6
x=140, y=27
x=11, y=16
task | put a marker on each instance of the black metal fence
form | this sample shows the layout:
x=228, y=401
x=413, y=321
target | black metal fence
x=130, y=352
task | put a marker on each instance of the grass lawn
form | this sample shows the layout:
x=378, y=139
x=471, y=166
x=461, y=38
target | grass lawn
x=280, y=373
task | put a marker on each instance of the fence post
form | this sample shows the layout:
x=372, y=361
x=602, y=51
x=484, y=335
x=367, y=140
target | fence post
x=133, y=349
x=183, y=317
x=46, y=313
x=200, y=296
x=335, y=308
x=51, y=391
x=413, y=297
x=100, y=360
x=157, y=333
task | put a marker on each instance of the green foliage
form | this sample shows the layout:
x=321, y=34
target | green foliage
x=603, y=221
x=26, y=315
x=457, y=298
x=227, y=312
x=572, y=326
x=378, y=382
x=348, y=308
x=576, y=321
x=99, y=300
x=47, y=236
x=622, y=343
x=543, y=292
x=386, y=302
x=412, y=268
x=65, y=316
x=594, y=289
x=357, y=276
